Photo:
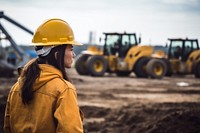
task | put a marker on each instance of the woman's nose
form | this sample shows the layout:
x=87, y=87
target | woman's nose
x=74, y=55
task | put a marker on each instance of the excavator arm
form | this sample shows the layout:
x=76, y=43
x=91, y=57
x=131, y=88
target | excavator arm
x=5, y=67
x=8, y=37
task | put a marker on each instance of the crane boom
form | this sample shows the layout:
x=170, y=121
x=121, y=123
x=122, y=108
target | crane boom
x=15, y=23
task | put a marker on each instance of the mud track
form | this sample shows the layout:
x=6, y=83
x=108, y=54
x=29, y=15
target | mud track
x=130, y=105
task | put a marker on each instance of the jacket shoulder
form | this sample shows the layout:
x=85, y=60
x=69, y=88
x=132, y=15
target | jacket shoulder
x=57, y=86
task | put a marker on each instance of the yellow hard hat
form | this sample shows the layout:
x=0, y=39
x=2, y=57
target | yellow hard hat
x=54, y=32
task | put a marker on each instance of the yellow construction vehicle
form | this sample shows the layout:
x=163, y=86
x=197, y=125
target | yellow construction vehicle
x=120, y=54
x=183, y=58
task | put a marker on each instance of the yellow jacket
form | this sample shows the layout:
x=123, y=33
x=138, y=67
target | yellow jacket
x=54, y=108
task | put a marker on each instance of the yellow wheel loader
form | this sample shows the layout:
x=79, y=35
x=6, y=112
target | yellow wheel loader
x=120, y=54
x=96, y=61
x=183, y=58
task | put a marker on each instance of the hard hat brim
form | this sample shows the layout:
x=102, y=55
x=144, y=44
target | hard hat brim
x=75, y=43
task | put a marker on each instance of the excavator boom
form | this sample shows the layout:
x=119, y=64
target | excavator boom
x=7, y=69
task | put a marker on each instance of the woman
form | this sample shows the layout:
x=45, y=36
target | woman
x=43, y=100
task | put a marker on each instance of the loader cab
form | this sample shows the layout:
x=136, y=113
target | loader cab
x=118, y=44
x=181, y=48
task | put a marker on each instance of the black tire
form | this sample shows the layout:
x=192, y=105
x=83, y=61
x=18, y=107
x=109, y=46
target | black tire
x=96, y=65
x=80, y=64
x=156, y=68
x=197, y=70
x=6, y=73
x=122, y=73
x=169, y=71
x=140, y=68
x=6, y=70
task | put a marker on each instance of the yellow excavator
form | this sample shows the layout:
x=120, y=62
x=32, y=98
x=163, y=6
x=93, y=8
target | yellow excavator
x=183, y=57
x=121, y=54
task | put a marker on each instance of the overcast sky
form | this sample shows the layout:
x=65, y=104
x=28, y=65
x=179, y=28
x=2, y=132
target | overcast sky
x=155, y=20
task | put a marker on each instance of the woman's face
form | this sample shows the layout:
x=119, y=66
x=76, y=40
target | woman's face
x=69, y=56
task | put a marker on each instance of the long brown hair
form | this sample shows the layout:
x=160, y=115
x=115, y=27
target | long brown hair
x=32, y=72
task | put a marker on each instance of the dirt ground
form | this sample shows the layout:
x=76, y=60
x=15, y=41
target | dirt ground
x=131, y=105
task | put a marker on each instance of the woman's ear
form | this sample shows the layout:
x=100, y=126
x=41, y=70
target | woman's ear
x=56, y=55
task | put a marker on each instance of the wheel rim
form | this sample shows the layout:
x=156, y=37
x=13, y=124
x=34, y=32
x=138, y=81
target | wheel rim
x=158, y=70
x=98, y=66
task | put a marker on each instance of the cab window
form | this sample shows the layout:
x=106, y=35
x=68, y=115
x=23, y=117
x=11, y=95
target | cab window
x=176, y=49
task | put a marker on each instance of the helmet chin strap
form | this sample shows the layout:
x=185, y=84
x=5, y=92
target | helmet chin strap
x=44, y=51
